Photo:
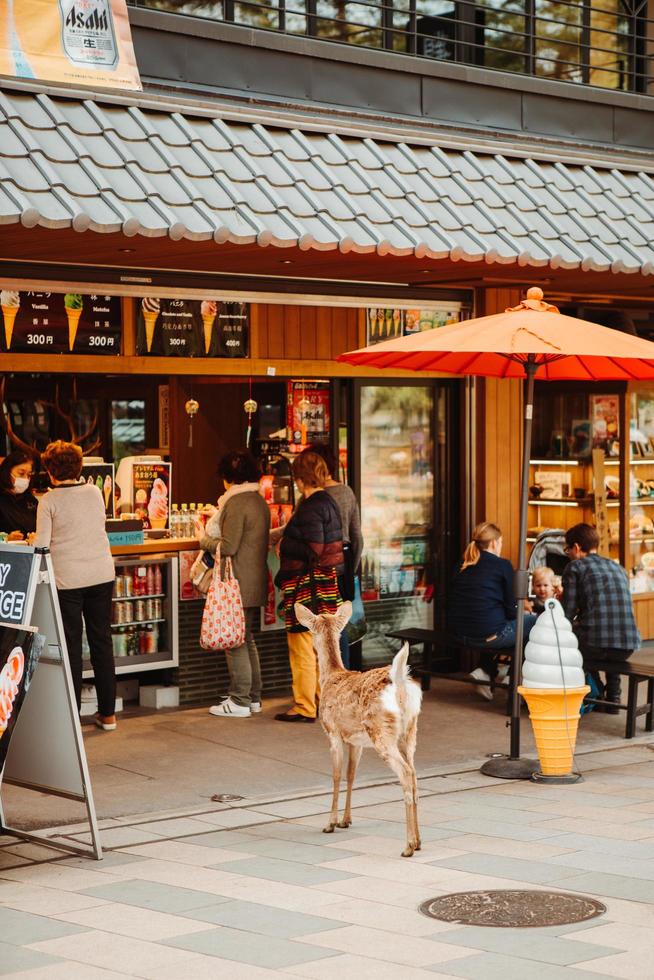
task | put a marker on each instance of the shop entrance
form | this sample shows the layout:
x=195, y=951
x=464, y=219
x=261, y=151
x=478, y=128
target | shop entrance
x=407, y=469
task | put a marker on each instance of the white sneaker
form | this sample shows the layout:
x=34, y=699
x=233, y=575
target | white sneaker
x=255, y=707
x=480, y=675
x=229, y=709
x=502, y=674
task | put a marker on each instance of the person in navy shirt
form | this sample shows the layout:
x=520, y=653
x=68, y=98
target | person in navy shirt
x=482, y=608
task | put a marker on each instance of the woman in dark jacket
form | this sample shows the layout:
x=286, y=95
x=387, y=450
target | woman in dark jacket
x=17, y=502
x=311, y=556
x=482, y=608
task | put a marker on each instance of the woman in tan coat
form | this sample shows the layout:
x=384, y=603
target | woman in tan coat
x=241, y=525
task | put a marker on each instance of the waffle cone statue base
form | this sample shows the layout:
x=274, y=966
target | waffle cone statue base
x=554, y=716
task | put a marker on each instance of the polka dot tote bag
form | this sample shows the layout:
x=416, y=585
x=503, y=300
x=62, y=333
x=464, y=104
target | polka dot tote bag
x=223, y=621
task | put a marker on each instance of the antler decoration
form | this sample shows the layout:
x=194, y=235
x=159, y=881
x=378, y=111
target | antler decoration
x=13, y=438
x=78, y=439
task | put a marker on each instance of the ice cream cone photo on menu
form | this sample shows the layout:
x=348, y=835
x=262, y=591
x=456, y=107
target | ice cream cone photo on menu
x=158, y=504
x=10, y=678
x=10, y=303
x=209, y=311
x=73, y=303
x=554, y=686
x=151, y=308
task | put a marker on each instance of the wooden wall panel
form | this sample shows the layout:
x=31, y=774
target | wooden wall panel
x=499, y=428
x=218, y=428
x=307, y=332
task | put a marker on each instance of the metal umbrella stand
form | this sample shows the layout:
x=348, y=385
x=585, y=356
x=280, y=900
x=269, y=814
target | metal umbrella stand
x=531, y=339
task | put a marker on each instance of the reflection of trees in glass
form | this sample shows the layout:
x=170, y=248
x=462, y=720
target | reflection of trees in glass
x=355, y=23
x=198, y=8
x=494, y=33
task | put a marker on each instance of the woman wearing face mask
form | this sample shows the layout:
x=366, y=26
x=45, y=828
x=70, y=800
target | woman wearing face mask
x=17, y=502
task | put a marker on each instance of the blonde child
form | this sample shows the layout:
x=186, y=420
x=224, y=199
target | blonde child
x=544, y=585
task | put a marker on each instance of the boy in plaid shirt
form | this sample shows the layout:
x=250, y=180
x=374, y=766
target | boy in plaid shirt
x=597, y=601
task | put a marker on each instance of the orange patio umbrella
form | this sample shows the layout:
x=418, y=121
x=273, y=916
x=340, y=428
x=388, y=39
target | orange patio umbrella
x=531, y=340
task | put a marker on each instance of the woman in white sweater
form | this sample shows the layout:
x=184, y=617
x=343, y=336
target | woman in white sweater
x=70, y=521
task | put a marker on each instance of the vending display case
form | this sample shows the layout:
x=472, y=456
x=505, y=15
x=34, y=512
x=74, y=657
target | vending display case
x=397, y=495
x=144, y=613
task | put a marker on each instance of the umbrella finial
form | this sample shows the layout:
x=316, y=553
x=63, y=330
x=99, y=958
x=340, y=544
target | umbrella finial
x=535, y=292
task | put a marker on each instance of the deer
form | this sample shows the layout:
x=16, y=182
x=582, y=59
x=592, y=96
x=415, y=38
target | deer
x=378, y=708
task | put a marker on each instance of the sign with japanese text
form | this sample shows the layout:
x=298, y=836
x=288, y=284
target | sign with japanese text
x=56, y=323
x=192, y=328
x=79, y=42
x=151, y=493
x=308, y=412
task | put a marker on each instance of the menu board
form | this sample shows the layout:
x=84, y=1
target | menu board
x=308, y=412
x=58, y=323
x=102, y=476
x=20, y=649
x=151, y=493
x=387, y=324
x=192, y=328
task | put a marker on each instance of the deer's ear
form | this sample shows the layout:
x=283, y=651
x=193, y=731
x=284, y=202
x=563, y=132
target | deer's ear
x=343, y=615
x=305, y=616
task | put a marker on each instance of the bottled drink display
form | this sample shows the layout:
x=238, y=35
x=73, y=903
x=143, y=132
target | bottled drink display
x=137, y=610
x=183, y=519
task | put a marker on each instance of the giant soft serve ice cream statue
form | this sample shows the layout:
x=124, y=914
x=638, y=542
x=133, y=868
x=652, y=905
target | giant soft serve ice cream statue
x=554, y=685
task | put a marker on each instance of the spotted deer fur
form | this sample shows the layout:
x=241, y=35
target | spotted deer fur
x=378, y=708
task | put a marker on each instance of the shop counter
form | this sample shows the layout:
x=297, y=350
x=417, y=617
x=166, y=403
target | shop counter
x=145, y=606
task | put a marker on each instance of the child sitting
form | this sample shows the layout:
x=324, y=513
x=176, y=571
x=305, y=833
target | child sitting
x=544, y=585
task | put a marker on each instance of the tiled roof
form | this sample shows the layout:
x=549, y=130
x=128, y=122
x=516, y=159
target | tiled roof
x=112, y=167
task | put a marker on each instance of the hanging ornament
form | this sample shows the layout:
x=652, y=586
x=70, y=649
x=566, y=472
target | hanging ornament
x=250, y=407
x=192, y=407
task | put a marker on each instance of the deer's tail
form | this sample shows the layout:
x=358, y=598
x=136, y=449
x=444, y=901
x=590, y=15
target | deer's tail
x=399, y=672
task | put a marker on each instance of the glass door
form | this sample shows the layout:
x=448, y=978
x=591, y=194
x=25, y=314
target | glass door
x=402, y=446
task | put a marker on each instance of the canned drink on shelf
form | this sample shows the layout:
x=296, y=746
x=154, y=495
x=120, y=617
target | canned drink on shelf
x=151, y=609
x=158, y=609
x=119, y=611
x=119, y=587
x=140, y=610
x=155, y=638
x=128, y=586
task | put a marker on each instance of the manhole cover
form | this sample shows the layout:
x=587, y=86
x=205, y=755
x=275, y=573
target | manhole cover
x=225, y=798
x=512, y=909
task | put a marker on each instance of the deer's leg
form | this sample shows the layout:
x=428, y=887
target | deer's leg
x=390, y=752
x=408, y=749
x=353, y=759
x=336, y=748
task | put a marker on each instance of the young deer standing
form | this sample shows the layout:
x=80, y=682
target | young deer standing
x=378, y=708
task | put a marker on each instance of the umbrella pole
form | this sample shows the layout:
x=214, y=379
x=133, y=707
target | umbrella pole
x=512, y=766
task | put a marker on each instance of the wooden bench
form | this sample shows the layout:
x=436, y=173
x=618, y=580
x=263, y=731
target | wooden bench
x=450, y=654
x=637, y=674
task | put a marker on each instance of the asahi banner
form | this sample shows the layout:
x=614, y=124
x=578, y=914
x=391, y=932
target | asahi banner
x=56, y=323
x=192, y=328
x=80, y=42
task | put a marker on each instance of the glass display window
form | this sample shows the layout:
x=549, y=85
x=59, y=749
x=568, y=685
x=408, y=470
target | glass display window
x=640, y=547
x=575, y=462
x=397, y=499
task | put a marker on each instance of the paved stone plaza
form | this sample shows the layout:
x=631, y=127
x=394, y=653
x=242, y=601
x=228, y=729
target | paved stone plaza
x=258, y=891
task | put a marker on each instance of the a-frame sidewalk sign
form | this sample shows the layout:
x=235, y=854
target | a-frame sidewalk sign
x=46, y=752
